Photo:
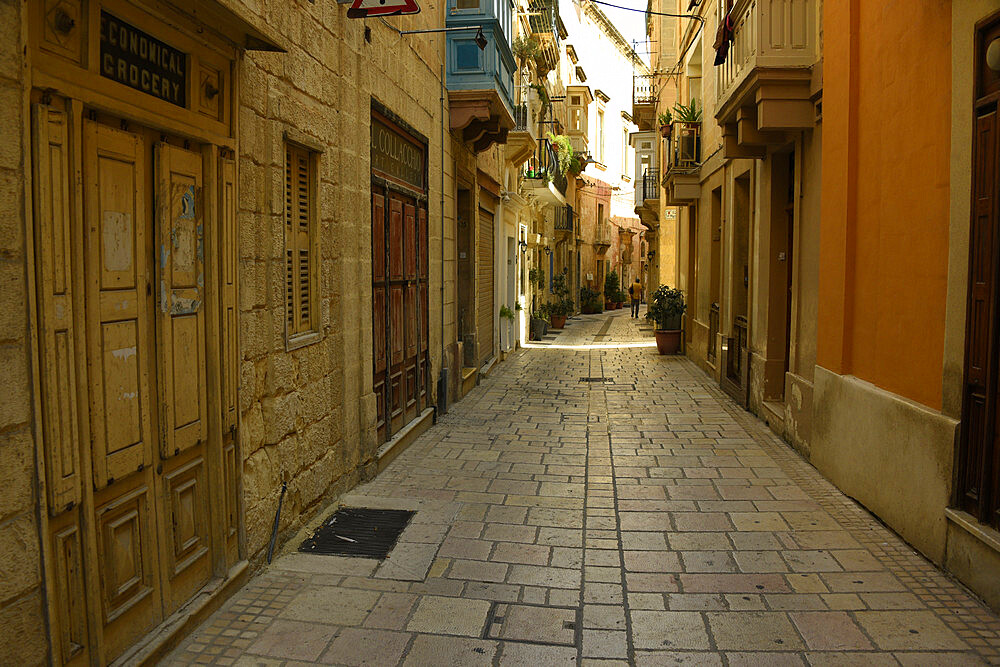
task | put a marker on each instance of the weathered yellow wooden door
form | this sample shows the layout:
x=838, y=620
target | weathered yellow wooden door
x=120, y=354
x=181, y=369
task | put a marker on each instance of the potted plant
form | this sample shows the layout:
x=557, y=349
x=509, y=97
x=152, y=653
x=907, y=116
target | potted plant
x=610, y=290
x=564, y=150
x=690, y=113
x=524, y=49
x=665, y=309
x=538, y=326
x=590, y=301
x=665, y=120
x=563, y=307
x=620, y=298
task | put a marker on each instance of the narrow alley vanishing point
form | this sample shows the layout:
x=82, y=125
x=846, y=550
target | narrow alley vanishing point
x=592, y=500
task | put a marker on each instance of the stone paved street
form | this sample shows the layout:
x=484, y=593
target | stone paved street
x=641, y=519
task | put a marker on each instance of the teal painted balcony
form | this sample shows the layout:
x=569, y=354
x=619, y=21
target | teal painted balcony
x=480, y=81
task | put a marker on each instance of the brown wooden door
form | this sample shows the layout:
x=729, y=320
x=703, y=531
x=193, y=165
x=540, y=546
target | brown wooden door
x=484, y=288
x=977, y=453
x=399, y=308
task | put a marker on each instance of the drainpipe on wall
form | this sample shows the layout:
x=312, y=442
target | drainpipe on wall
x=442, y=402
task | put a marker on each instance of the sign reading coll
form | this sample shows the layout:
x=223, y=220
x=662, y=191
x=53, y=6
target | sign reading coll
x=138, y=60
x=396, y=157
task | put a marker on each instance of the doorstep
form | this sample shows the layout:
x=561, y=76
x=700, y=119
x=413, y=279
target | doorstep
x=175, y=628
x=400, y=441
x=468, y=380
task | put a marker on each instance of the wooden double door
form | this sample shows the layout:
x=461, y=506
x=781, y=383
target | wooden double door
x=136, y=351
x=399, y=307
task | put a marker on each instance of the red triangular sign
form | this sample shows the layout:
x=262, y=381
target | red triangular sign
x=364, y=8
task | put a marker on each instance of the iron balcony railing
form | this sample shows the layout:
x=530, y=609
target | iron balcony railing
x=651, y=184
x=564, y=218
x=545, y=164
x=684, y=153
x=521, y=117
x=713, y=332
x=643, y=89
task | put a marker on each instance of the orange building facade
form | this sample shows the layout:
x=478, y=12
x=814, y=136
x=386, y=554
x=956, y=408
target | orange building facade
x=904, y=401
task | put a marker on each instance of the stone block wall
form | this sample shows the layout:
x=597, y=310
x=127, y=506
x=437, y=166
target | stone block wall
x=307, y=415
x=22, y=640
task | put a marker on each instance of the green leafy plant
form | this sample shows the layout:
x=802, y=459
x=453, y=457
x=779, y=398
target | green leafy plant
x=688, y=114
x=544, y=312
x=576, y=164
x=506, y=313
x=591, y=301
x=543, y=96
x=666, y=307
x=665, y=118
x=620, y=296
x=533, y=274
x=524, y=49
x=563, y=305
x=611, y=286
x=564, y=150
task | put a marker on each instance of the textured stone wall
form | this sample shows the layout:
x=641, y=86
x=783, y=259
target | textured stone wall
x=308, y=415
x=22, y=640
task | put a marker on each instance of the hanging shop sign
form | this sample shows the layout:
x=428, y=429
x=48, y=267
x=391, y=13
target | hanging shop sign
x=361, y=9
x=396, y=157
x=140, y=61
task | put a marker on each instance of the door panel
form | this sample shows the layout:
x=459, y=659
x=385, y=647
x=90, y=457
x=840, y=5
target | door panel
x=57, y=338
x=185, y=547
x=117, y=280
x=127, y=569
x=181, y=316
x=230, y=355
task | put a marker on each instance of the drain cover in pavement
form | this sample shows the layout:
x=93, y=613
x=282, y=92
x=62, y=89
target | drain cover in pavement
x=358, y=531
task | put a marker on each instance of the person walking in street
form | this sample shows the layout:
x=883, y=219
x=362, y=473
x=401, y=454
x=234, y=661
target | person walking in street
x=635, y=292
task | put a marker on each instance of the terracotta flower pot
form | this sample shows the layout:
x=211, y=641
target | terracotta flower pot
x=558, y=321
x=609, y=305
x=619, y=304
x=668, y=341
x=665, y=131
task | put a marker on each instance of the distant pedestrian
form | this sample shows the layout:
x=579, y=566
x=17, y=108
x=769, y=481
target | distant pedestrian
x=635, y=292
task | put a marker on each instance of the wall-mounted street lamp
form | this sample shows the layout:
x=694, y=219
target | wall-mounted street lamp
x=480, y=38
x=523, y=245
x=650, y=255
x=548, y=251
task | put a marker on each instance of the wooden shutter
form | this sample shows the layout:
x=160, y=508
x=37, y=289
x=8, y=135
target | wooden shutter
x=485, y=308
x=230, y=353
x=53, y=214
x=299, y=262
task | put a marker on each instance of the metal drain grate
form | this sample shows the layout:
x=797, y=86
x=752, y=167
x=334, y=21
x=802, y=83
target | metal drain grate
x=597, y=379
x=358, y=531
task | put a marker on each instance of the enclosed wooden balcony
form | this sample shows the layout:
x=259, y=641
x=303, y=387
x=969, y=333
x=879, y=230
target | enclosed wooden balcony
x=765, y=86
x=644, y=101
x=682, y=178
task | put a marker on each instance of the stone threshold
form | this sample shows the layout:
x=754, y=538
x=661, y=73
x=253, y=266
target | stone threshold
x=399, y=442
x=968, y=523
x=176, y=627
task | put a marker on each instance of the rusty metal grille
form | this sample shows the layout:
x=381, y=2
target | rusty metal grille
x=359, y=532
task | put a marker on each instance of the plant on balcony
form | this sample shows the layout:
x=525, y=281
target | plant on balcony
x=665, y=119
x=689, y=113
x=577, y=164
x=564, y=150
x=524, y=49
x=543, y=96
x=665, y=309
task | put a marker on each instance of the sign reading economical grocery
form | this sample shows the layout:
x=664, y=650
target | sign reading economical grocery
x=395, y=156
x=138, y=60
x=364, y=8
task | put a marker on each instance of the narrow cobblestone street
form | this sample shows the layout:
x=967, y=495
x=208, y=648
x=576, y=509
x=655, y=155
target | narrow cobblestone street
x=636, y=517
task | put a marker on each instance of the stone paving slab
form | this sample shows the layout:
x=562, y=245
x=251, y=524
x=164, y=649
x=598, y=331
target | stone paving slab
x=641, y=520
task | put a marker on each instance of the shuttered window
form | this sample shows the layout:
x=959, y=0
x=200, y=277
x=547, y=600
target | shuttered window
x=301, y=256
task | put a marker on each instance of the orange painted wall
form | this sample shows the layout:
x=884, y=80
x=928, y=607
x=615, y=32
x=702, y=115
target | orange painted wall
x=885, y=204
